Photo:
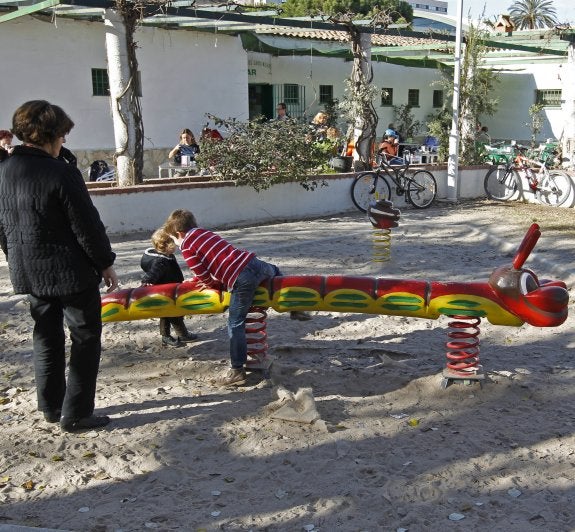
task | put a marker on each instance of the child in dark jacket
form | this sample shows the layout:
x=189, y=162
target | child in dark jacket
x=161, y=267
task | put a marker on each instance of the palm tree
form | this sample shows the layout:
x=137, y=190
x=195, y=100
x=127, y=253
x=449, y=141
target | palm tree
x=533, y=14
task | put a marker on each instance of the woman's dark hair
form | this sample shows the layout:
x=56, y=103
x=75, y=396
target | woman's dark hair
x=39, y=122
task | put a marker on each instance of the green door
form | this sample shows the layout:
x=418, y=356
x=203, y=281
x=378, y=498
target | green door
x=261, y=100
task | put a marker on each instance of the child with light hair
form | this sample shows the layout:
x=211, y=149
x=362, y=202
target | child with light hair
x=161, y=267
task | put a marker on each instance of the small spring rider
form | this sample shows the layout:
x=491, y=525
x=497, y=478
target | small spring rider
x=383, y=216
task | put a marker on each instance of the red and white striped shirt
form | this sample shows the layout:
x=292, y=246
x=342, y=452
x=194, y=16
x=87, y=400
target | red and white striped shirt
x=211, y=257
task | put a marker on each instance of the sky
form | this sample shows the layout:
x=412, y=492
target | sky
x=565, y=9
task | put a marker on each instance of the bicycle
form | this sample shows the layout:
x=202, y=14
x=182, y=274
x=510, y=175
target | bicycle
x=419, y=187
x=497, y=152
x=550, y=187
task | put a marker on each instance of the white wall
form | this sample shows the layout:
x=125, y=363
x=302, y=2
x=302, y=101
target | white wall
x=314, y=71
x=145, y=208
x=184, y=75
x=515, y=92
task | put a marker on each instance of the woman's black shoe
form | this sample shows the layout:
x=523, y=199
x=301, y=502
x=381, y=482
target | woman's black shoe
x=52, y=416
x=84, y=423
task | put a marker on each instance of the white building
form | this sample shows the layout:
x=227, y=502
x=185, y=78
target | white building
x=433, y=6
x=185, y=73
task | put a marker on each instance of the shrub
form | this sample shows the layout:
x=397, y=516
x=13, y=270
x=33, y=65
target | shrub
x=262, y=153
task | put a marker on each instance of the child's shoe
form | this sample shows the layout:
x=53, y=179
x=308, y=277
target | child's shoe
x=299, y=315
x=188, y=337
x=170, y=341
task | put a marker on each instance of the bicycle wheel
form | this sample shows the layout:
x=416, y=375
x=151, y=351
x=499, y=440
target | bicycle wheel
x=421, y=189
x=367, y=187
x=554, y=189
x=500, y=182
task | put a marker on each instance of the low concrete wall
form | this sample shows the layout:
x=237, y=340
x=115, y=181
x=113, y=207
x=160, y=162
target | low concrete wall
x=222, y=204
x=218, y=204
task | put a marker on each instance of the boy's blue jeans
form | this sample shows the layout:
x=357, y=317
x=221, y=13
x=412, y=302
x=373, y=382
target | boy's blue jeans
x=241, y=299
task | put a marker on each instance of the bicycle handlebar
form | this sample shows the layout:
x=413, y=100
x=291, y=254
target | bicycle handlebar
x=521, y=148
x=385, y=163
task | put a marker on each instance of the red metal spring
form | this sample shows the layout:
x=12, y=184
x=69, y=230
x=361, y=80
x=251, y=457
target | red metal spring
x=463, y=348
x=256, y=335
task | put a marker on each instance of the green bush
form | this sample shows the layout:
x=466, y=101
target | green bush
x=263, y=153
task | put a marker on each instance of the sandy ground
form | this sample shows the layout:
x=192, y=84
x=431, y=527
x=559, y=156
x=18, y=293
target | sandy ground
x=389, y=449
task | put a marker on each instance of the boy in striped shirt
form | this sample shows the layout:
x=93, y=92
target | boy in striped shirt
x=215, y=262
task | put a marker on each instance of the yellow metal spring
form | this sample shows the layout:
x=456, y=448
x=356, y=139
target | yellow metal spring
x=381, y=244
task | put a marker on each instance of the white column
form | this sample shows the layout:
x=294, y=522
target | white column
x=453, y=160
x=568, y=108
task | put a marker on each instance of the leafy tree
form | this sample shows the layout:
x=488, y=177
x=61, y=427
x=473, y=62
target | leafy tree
x=475, y=100
x=533, y=14
x=405, y=122
x=357, y=105
x=439, y=126
x=262, y=153
x=536, y=123
x=360, y=8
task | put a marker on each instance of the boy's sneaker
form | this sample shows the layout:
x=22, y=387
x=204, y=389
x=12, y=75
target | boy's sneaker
x=234, y=377
x=299, y=315
x=170, y=341
x=188, y=337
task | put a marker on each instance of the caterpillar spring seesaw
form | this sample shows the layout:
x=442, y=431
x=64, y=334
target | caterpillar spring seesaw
x=512, y=295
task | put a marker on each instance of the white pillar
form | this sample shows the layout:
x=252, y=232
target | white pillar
x=568, y=108
x=453, y=160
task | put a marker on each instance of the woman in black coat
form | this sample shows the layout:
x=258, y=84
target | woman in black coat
x=58, y=253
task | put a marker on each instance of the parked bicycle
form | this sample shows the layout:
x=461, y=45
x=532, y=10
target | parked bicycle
x=419, y=187
x=497, y=152
x=503, y=152
x=550, y=187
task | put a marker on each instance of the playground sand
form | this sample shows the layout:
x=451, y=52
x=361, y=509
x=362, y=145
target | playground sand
x=372, y=441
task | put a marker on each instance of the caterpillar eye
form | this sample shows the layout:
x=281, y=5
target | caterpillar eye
x=528, y=283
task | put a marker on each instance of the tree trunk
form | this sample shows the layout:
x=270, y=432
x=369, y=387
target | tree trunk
x=122, y=74
x=365, y=123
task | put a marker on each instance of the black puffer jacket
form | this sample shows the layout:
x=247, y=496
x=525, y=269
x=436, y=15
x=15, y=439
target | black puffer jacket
x=50, y=230
x=160, y=268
